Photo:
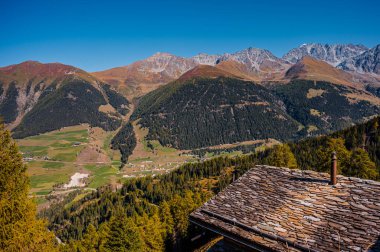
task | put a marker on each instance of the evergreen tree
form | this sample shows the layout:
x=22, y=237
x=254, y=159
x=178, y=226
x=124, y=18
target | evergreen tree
x=324, y=153
x=167, y=222
x=91, y=240
x=361, y=165
x=150, y=230
x=20, y=230
x=123, y=235
x=281, y=156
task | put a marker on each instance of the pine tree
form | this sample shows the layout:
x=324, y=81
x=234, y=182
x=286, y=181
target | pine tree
x=20, y=230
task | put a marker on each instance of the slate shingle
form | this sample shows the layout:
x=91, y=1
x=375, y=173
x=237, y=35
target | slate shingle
x=294, y=210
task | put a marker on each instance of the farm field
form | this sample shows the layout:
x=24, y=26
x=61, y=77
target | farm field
x=56, y=157
x=52, y=158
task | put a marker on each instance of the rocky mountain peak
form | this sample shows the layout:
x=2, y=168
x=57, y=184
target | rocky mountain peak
x=333, y=54
x=367, y=62
x=258, y=60
x=206, y=59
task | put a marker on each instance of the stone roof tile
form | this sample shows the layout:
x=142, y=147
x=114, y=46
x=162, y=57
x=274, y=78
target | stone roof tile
x=294, y=210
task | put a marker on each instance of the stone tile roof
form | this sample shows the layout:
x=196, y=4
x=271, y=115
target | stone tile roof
x=294, y=210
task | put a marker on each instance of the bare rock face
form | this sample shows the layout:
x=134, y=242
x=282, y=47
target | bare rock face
x=146, y=75
x=332, y=54
x=166, y=64
x=258, y=60
x=206, y=59
x=367, y=62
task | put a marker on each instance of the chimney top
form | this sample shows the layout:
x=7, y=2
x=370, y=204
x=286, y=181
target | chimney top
x=333, y=172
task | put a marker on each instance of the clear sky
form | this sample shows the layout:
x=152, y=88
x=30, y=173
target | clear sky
x=96, y=35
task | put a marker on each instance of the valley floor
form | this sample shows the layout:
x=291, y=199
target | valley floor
x=64, y=160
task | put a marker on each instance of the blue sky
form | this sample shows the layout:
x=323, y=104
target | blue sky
x=96, y=35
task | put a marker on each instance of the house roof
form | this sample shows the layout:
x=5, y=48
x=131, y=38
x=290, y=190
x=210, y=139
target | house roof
x=293, y=210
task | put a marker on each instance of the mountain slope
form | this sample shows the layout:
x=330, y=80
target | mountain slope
x=21, y=85
x=36, y=98
x=368, y=62
x=309, y=68
x=146, y=75
x=311, y=153
x=201, y=112
x=323, y=107
x=333, y=54
x=73, y=103
x=206, y=71
x=196, y=111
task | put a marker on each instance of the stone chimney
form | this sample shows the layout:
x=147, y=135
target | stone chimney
x=333, y=171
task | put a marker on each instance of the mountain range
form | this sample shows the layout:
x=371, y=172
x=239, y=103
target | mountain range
x=253, y=64
x=215, y=99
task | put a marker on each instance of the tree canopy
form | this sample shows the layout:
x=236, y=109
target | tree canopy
x=20, y=230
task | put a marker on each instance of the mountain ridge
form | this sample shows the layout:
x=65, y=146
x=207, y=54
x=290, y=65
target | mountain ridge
x=254, y=64
x=309, y=68
x=367, y=62
x=27, y=86
x=333, y=54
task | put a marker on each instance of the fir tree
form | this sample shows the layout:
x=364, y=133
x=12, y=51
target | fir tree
x=361, y=165
x=20, y=230
x=123, y=235
x=281, y=156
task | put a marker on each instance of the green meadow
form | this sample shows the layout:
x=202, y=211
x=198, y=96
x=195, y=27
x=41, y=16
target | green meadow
x=54, y=155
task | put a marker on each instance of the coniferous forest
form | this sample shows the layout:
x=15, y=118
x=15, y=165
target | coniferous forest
x=151, y=213
x=200, y=112
x=162, y=204
x=124, y=141
x=75, y=101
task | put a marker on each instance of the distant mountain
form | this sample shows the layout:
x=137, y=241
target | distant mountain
x=309, y=68
x=207, y=71
x=253, y=64
x=239, y=69
x=31, y=90
x=21, y=85
x=206, y=59
x=333, y=54
x=198, y=112
x=367, y=62
x=36, y=98
x=258, y=61
x=148, y=74
x=207, y=106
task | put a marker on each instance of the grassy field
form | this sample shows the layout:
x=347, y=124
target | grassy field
x=102, y=175
x=52, y=158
